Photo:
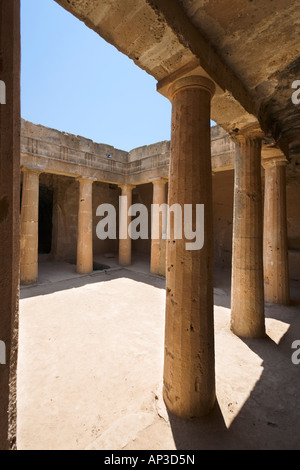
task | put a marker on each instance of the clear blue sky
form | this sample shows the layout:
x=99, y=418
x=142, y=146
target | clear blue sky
x=72, y=80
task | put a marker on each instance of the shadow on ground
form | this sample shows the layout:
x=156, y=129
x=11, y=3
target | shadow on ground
x=104, y=276
x=270, y=417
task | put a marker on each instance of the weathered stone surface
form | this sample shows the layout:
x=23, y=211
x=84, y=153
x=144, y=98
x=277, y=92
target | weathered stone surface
x=189, y=377
x=247, y=295
x=65, y=154
x=61, y=156
x=125, y=244
x=159, y=37
x=158, y=245
x=29, y=226
x=85, y=227
x=240, y=49
x=276, y=269
x=9, y=215
x=223, y=191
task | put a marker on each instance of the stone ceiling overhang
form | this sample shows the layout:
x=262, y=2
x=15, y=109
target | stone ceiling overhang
x=168, y=38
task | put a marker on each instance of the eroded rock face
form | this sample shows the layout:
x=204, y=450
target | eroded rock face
x=257, y=41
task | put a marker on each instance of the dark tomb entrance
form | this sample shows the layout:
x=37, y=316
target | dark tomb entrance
x=45, y=219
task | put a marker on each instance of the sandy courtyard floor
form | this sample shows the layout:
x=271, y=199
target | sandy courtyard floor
x=91, y=361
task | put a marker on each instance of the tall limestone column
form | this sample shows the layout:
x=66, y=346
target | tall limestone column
x=85, y=227
x=124, y=237
x=29, y=225
x=189, y=372
x=276, y=269
x=9, y=217
x=158, y=265
x=247, y=296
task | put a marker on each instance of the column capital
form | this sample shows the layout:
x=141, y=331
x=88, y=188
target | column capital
x=250, y=135
x=273, y=156
x=86, y=179
x=192, y=81
x=272, y=162
x=126, y=186
x=247, y=139
x=159, y=181
x=32, y=169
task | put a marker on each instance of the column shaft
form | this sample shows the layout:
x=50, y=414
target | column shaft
x=85, y=227
x=125, y=242
x=247, y=299
x=9, y=215
x=29, y=226
x=158, y=249
x=189, y=376
x=276, y=270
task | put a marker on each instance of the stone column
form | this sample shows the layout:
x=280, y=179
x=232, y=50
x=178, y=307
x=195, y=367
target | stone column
x=85, y=227
x=124, y=237
x=276, y=269
x=158, y=266
x=189, y=373
x=247, y=291
x=30, y=226
x=9, y=216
